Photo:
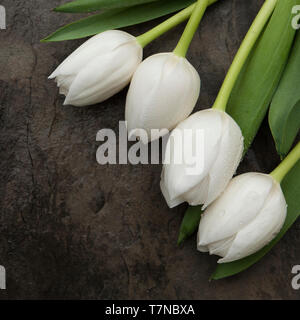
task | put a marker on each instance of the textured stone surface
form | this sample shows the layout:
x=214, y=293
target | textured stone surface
x=70, y=228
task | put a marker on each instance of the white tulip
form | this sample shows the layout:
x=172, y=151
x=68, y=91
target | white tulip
x=163, y=91
x=244, y=219
x=99, y=68
x=221, y=149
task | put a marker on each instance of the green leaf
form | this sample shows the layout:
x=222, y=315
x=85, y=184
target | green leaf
x=261, y=74
x=94, y=5
x=190, y=220
x=117, y=18
x=284, y=114
x=291, y=190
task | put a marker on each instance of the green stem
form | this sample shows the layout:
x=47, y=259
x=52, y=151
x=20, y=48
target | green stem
x=287, y=164
x=162, y=28
x=243, y=53
x=190, y=29
x=167, y=25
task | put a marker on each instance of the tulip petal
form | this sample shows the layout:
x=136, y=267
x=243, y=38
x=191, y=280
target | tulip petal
x=263, y=229
x=238, y=206
x=163, y=92
x=221, y=248
x=103, y=77
x=99, y=68
x=171, y=202
x=98, y=45
x=176, y=180
x=229, y=157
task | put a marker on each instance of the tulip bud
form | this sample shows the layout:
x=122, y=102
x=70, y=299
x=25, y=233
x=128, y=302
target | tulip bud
x=244, y=219
x=222, y=147
x=99, y=68
x=163, y=92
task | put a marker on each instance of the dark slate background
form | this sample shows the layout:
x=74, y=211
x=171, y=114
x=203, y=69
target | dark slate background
x=70, y=228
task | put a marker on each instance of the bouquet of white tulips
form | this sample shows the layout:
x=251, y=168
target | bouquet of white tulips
x=243, y=216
